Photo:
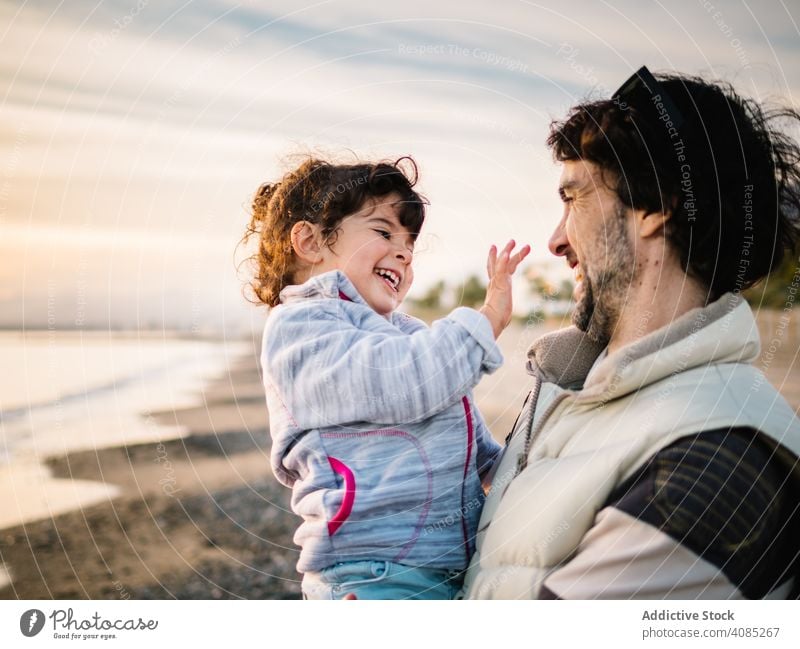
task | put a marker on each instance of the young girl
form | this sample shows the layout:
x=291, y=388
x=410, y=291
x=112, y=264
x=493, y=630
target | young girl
x=371, y=412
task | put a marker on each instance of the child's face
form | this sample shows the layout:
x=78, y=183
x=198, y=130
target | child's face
x=375, y=252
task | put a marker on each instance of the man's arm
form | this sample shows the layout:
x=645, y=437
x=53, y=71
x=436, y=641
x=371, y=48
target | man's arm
x=712, y=516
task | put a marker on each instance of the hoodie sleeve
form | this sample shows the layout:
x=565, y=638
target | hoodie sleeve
x=331, y=372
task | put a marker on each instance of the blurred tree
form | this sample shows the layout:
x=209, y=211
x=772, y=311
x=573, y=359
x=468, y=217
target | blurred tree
x=432, y=298
x=540, y=286
x=565, y=290
x=471, y=293
x=776, y=290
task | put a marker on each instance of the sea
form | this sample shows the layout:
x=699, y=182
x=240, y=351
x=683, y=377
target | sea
x=67, y=391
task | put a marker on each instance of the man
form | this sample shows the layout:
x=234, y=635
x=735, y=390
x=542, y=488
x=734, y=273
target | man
x=651, y=460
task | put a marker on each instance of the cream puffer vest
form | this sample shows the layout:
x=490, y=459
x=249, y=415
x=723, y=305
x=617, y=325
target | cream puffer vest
x=572, y=447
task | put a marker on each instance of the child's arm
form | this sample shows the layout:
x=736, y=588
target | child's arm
x=329, y=371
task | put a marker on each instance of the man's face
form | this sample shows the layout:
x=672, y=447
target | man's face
x=595, y=239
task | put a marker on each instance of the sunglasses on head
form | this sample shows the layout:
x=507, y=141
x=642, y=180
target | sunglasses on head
x=644, y=92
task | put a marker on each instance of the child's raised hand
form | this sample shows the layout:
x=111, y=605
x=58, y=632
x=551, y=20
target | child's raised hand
x=498, y=303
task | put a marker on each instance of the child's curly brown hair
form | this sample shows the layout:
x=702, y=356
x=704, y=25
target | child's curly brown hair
x=322, y=193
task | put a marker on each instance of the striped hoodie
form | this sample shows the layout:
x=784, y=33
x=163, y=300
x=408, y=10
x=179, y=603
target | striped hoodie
x=374, y=426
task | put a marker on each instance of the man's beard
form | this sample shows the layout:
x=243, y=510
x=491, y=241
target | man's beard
x=598, y=316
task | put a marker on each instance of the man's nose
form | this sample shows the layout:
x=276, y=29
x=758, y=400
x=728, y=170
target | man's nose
x=559, y=244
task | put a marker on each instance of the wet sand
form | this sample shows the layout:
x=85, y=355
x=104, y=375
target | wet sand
x=202, y=517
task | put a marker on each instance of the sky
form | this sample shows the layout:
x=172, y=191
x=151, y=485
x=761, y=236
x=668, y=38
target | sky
x=133, y=133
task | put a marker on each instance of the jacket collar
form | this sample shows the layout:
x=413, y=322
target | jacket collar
x=725, y=331
x=332, y=285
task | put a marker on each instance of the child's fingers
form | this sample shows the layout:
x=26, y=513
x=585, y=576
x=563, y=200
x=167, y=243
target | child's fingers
x=517, y=259
x=502, y=260
x=491, y=261
x=506, y=262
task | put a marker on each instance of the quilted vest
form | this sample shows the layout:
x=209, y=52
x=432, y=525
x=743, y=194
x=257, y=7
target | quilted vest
x=572, y=447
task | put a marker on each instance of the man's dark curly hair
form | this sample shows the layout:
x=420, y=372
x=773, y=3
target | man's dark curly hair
x=729, y=177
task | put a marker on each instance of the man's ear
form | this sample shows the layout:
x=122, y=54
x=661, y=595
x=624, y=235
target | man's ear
x=307, y=242
x=649, y=224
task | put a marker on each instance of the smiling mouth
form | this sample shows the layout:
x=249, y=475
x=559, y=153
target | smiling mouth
x=391, y=278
